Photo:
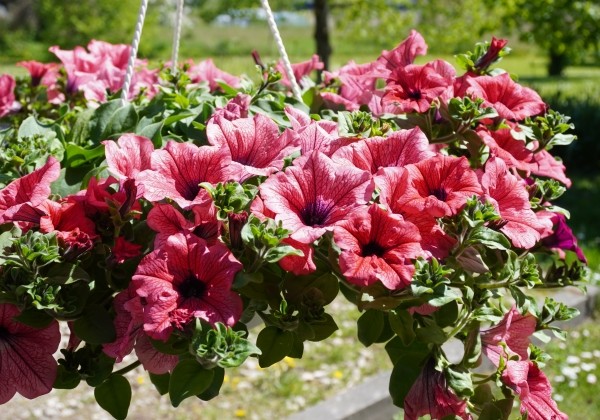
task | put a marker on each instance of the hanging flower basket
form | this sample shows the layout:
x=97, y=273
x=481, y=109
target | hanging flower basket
x=162, y=222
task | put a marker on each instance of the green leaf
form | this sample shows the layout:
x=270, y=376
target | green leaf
x=407, y=369
x=275, y=344
x=431, y=332
x=112, y=118
x=402, y=323
x=77, y=155
x=446, y=315
x=370, y=326
x=160, y=382
x=66, y=379
x=34, y=318
x=459, y=379
x=114, y=395
x=490, y=238
x=95, y=326
x=215, y=386
x=323, y=328
x=188, y=379
x=31, y=127
x=66, y=273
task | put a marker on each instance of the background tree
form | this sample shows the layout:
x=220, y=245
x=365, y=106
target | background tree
x=567, y=30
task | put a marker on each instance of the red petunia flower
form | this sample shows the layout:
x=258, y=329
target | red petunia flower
x=184, y=280
x=358, y=82
x=414, y=88
x=534, y=390
x=30, y=190
x=236, y=108
x=39, y=72
x=509, y=337
x=179, y=169
x=255, y=145
x=26, y=362
x=378, y=246
x=398, y=149
x=510, y=198
x=439, y=186
x=503, y=145
x=314, y=194
x=430, y=394
x=511, y=100
x=7, y=95
x=300, y=70
x=544, y=164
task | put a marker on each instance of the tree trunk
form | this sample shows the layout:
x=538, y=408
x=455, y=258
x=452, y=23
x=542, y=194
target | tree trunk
x=557, y=64
x=322, y=32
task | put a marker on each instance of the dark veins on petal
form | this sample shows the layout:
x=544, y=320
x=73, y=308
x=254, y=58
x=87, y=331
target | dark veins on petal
x=191, y=287
x=314, y=213
x=372, y=248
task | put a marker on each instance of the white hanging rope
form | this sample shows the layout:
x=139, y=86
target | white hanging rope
x=284, y=57
x=134, y=48
x=177, y=35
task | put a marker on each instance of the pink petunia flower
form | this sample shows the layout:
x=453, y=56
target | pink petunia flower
x=378, y=246
x=206, y=71
x=300, y=70
x=124, y=250
x=128, y=156
x=165, y=220
x=503, y=145
x=405, y=53
x=237, y=107
x=314, y=194
x=255, y=145
x=509, y=337
x=179, y=169
x=29, y=190
x=491, y=55
x=26, y=362
x=129, y=321
x=298, y=265
x=38, y=71
x=511, y=100
x=398, y=149
x=510, y=198
x=544, y=164
x=439, y=186
x=414, y=88
x=7, y=95
x=391, y=187
x=358, y=82
x=534, y=390
x=186, y=279
x=430, y=394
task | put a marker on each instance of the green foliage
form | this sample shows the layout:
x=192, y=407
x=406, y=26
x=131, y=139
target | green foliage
x=114, y=395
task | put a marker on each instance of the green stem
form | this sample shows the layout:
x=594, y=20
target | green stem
x=128, y=368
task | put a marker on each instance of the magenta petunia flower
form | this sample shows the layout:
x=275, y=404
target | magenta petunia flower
x=534, y=390
x=39, y=72
x=30, y=190
x=186, y=279
x=414, y=88
x=391, y=187
x=315, y=194
x=511, y=100
x=491, y=55
x=430, y=394
x=509, y=337
x=129, y=321
x=255, y=145
x=562, y=237
x=439, y=186
x=510, y=198
x=179, y=169
x=26, y=362
x=378, y=246
x=398, y=149
x=128, y=156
